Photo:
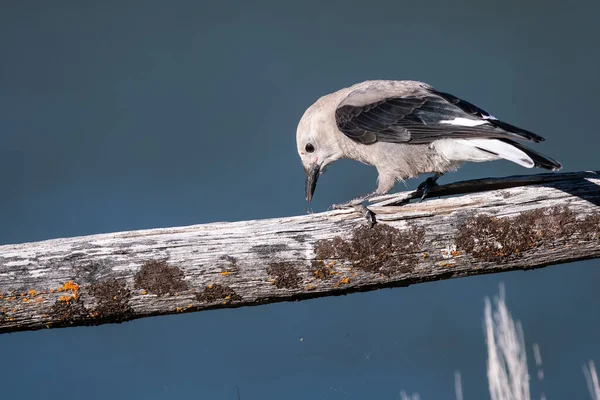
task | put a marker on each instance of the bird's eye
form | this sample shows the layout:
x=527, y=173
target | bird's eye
x=309, y=148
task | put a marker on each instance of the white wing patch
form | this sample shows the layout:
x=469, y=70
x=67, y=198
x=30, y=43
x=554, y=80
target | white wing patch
x=504, y=150
x=464, y=122
x=479, y=150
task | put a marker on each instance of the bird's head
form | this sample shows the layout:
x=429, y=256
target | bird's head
x=317, y=144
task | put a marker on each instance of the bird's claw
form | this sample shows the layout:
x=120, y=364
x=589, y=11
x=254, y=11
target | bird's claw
x=426, y=187
x=370, y=216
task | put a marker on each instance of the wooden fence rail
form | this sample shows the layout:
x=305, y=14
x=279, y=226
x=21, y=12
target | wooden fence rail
x=502, y=224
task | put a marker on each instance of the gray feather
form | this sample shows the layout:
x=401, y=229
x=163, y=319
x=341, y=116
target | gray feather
x=420, y=116
x=408, y=128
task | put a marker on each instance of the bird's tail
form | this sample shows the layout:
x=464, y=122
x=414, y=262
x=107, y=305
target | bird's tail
x=515, y=152
x=539, y=160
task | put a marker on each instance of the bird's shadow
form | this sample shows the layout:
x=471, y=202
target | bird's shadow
x=574, y=183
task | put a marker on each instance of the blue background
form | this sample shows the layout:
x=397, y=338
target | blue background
x=128, y=115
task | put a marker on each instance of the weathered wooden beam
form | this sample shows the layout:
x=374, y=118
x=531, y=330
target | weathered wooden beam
x=523, y=223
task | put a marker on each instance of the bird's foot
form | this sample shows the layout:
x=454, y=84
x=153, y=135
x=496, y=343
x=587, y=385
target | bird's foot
x=357, y=204
x=427, y=185
x=370, y=216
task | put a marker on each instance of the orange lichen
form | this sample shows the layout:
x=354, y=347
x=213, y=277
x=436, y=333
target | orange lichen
x=455, y=253
x=70, y=285
x=345, y=281
x=144, y=292
x=210, y=286
x=179, y=309
x=225, y=273
x=425, y=255
x=32, y=293
x=190, y=305
x=310, y=287
x=25, y=300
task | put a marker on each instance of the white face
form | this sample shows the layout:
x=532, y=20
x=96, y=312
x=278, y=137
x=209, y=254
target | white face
x=307, y=149
x=315, y=144
x=316, y=147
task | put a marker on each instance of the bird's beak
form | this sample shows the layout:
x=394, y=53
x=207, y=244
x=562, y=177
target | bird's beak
x=312, y=175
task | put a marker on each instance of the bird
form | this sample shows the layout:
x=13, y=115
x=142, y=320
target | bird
x=406, y=128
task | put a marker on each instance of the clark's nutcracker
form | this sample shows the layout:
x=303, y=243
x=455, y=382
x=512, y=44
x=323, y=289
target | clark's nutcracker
x=404, y=129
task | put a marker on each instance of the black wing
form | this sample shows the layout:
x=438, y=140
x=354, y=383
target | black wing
x=418, y=119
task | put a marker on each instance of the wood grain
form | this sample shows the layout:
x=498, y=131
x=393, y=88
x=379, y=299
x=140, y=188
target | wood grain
x=503, y=224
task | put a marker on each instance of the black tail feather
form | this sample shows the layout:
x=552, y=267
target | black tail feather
x=474, y=110
x=525, y=134
x=540, y=160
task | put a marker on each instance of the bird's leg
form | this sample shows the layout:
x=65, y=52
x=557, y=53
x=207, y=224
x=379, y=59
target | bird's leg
x=358, y=205
x=429, y=184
